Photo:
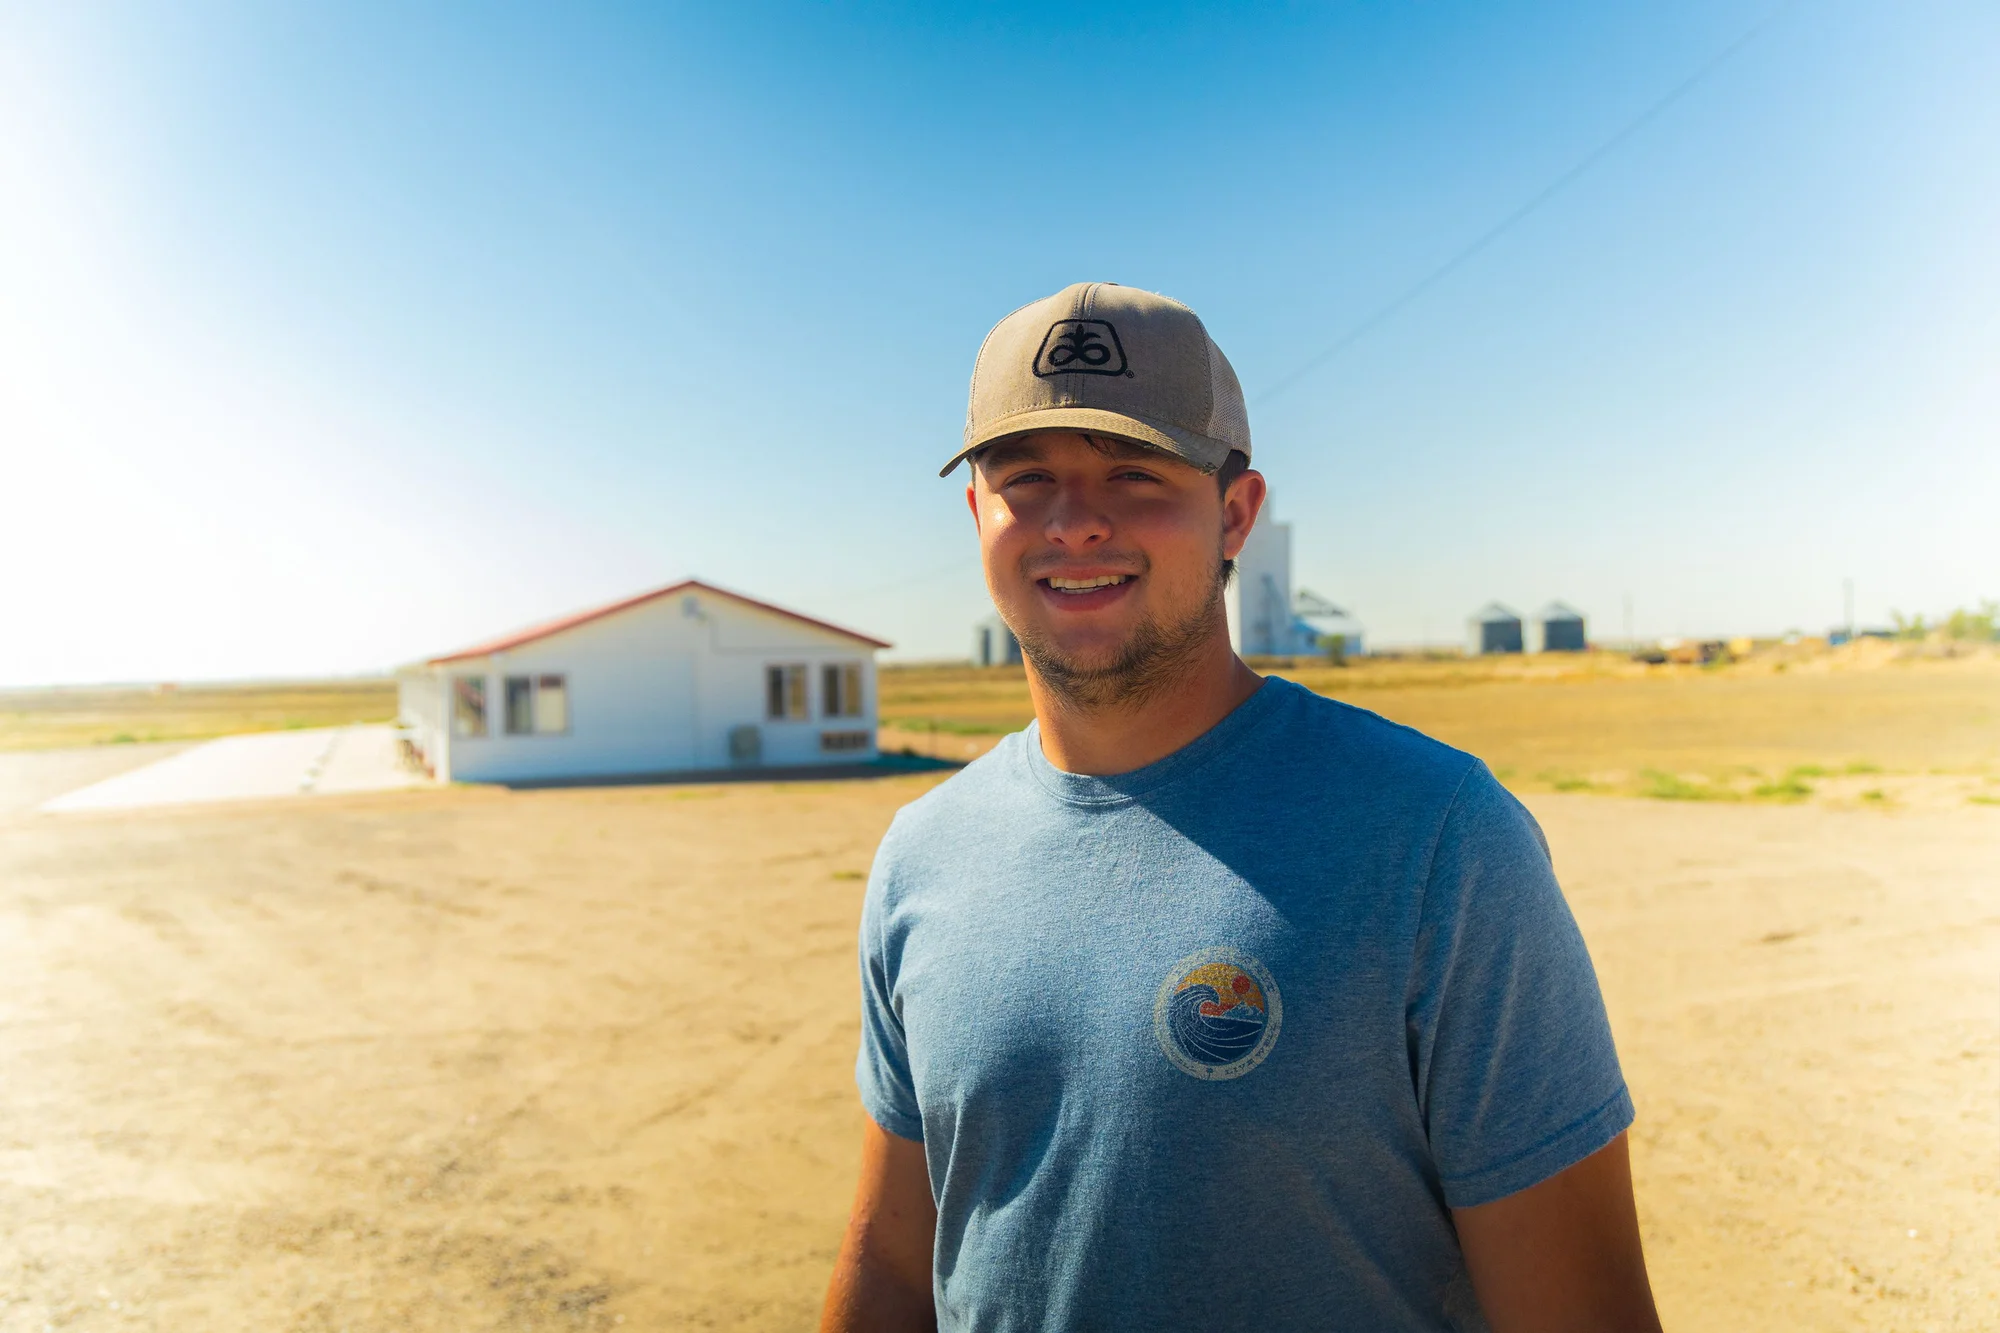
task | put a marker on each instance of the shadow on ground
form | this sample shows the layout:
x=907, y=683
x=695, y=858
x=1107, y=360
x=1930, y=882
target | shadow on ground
x=888, y=766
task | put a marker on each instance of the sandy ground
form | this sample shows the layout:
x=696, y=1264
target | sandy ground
x=571, y=1059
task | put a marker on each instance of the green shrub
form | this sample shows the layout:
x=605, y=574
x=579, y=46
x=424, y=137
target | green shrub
x=1672, y=787
x=1791, y=787
x=1974, y=626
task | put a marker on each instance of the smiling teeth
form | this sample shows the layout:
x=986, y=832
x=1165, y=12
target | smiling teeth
x=1085, y=585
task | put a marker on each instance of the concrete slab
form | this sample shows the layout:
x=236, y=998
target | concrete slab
x=255, y=767
x=30, y=777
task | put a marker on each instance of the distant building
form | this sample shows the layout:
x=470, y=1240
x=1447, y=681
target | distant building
x=1493, y=629
x=1558, y=629
x=1259, y=598
x=681, y=680
x=1320, y=620
x=993, y=644
x=1266, y=619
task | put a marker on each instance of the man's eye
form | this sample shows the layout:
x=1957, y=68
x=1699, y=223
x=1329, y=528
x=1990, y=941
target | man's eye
x=1027, y=477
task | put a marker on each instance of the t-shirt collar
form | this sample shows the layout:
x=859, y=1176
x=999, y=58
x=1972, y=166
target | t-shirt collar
x=1120, y=788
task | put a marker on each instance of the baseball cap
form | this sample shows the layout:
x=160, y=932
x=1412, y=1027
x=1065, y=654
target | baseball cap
x=1109, y=360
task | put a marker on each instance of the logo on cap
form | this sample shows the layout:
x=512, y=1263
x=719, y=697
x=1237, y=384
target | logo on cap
x=1080, y=347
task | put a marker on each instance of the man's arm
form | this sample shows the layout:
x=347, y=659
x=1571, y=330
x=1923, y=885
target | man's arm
x=1562, y=1256
x=882, y=1279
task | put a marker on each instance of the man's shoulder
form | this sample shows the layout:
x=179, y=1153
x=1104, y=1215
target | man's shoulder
x=1400, y=775
x=1314, y=736
x=971, y=793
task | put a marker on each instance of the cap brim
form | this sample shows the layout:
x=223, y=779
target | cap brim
x=1198, y=451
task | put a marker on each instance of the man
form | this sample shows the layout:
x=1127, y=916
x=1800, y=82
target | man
x=1206, y=1003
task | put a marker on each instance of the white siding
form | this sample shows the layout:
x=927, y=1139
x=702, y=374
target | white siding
x=420, y=711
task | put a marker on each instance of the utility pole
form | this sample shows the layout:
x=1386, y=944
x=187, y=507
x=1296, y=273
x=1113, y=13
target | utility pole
x=1847, y=597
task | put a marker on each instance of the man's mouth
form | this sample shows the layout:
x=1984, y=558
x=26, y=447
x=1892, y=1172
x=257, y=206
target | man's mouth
x=1075, y=586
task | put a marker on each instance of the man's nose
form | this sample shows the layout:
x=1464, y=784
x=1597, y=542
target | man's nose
x=1075, y=519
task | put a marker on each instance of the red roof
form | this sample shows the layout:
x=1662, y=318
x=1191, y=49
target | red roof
x=543, y=631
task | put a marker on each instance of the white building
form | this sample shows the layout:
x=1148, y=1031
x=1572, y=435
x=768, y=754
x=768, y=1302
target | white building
x=1265, y=618
x=1324, y=621
x=685, y=679
x=1259, y=598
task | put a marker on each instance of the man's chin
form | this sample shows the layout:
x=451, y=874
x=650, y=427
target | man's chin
x=1120, y=659
x=1080, y=654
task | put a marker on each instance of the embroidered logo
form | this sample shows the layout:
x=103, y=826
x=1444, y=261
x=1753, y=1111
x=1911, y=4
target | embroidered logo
x=1080, y=347
x=1217, y=1014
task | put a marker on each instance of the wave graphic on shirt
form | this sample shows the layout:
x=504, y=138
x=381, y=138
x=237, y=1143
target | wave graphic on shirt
x=1216, y=1014
x=1211, y=1032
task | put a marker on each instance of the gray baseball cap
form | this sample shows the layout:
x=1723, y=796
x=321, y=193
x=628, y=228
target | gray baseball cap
x=1109, y=360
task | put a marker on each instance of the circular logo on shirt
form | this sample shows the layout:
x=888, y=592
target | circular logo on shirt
x=1217, y=1014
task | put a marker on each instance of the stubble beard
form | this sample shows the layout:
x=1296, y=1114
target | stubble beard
x=1156, y=656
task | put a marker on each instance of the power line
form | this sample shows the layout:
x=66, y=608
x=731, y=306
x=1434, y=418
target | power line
x=961, y=567
x=1384, y=313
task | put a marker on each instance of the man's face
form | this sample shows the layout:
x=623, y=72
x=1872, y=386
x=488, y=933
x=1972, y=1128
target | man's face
x=1105, y=557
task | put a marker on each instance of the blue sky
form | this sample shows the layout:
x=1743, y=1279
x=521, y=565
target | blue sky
x=332, y=335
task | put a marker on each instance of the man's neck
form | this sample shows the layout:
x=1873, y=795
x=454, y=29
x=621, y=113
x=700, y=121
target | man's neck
x=1115, y=738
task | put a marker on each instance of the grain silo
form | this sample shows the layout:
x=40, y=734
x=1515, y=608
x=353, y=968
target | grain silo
x=1493, y=629
x=1558, y=629
x=1258, y=601
x=993, y=644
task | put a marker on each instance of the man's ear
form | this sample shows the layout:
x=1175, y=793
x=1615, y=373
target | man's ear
x=972, y=499
x=1240, y=507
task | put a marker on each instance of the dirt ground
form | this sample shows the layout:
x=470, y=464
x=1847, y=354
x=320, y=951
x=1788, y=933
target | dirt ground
x=470, y=1059
x=571, y=1059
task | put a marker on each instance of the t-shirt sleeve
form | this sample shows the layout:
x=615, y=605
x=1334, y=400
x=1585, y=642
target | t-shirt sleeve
x=882, y=1070
x=1515, y=1069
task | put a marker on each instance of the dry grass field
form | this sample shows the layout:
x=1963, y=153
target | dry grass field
x=581, y=1059
x=1778, y=727
x=126, y=715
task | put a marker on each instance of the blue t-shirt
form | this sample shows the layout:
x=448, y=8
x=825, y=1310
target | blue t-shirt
x=1214, y=1044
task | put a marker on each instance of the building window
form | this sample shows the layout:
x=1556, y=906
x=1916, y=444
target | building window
x=468, y=705
x=537, y=705
x=840, y=689
x=843, y=740
x=551, y=705
x=785, y=693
